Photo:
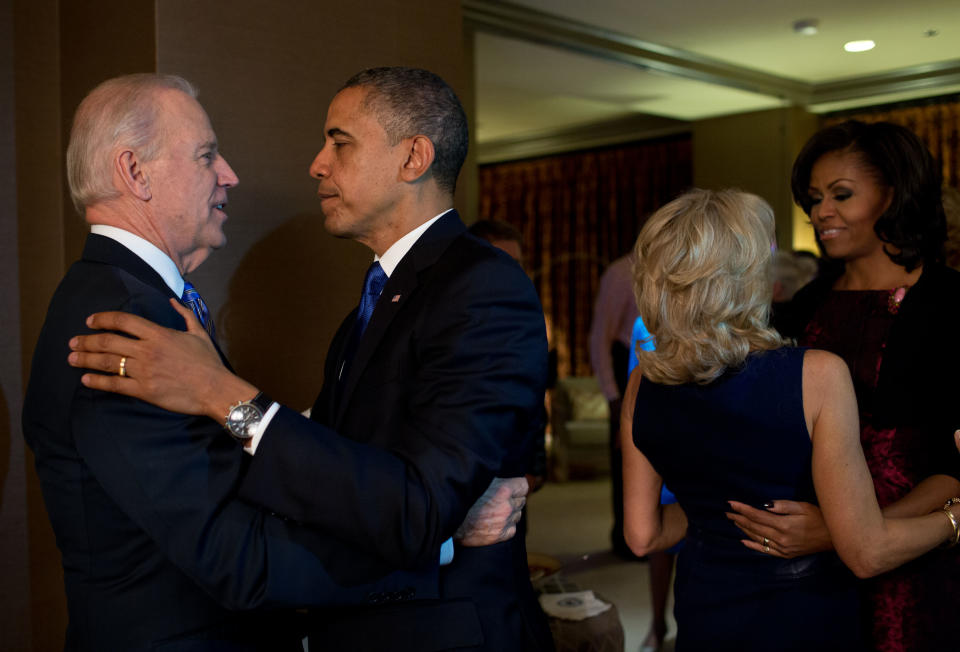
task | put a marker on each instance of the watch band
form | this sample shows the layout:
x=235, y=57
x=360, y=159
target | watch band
x=262, y=401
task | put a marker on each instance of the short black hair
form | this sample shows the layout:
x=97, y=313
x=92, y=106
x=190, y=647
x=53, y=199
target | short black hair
x=914, y=224
x=411, y=101
x=491, y=230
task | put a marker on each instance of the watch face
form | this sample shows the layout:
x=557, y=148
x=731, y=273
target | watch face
x=242, y=420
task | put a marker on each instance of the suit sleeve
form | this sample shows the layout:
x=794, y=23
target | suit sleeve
x=470, y=389
x=176, y=477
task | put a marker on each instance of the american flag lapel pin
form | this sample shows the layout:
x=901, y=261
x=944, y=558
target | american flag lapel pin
x=395, y=299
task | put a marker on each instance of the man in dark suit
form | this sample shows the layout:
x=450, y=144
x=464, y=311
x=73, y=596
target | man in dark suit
x=158, y=550
x=448, y=374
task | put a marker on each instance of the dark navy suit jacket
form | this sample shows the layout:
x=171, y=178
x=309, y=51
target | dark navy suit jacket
x=158, y=551
x=449, y=377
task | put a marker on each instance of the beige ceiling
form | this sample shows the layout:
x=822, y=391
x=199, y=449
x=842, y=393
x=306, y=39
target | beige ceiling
x=544, y=65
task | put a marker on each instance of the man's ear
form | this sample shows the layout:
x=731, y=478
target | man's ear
x=130, y=174
x=420, y=155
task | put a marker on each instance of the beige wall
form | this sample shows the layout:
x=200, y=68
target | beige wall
x=753, y=152
x=266, y=71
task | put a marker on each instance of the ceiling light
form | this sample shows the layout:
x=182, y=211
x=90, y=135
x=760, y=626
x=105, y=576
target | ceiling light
x=859, y=46
x=807, y=26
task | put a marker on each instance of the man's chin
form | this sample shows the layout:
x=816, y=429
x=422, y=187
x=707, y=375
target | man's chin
x=217, y=240
x=336, y=227
x=194, y=259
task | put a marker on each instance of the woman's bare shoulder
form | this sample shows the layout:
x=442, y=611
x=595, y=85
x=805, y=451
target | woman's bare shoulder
x=823, y=365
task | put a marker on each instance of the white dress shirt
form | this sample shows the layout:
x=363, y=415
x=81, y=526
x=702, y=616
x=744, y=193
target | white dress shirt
x=161, y=263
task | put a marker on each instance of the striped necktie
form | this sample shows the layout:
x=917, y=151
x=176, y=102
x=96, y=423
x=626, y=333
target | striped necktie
x=191, y=298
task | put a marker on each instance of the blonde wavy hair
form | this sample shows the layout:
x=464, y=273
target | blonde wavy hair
x=702, y=279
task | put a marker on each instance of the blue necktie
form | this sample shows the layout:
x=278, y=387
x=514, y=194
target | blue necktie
x=372, y=287
x=191, y=299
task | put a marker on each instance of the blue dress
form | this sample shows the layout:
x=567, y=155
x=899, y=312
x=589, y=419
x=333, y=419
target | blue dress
x=744, y=437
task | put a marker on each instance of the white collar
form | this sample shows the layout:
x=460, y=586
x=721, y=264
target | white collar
x=161, y=263
x=392, y=256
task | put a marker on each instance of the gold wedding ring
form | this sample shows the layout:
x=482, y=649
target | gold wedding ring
x=766, y=544
x=123, y=366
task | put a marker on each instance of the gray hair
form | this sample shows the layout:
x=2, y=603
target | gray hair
x=412, y=101
x=120, y=112
x=792, y=272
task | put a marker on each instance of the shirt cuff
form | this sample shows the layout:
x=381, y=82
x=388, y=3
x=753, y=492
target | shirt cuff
x=258, y=433
x=446, y=552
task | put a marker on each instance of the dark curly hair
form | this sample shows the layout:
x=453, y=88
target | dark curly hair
x=914, y=224
x=411, y=101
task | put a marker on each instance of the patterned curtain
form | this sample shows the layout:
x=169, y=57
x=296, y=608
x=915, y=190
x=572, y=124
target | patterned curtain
x=577, y=213
x=936, y=122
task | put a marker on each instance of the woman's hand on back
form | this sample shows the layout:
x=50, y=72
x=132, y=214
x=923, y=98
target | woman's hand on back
x=784, y=528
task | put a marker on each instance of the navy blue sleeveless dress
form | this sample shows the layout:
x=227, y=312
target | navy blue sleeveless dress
x=744, y=437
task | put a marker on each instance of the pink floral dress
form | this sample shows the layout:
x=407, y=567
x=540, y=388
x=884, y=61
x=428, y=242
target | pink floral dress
x=909, y=608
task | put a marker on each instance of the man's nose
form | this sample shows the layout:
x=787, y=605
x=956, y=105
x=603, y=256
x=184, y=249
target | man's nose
x=225, y=175
x=319, y=168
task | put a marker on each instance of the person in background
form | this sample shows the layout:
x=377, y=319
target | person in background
x=508, y=239
x=502, y=235
x=791, y=272
x=721, y=408
x=890, y=309
x=611, y=329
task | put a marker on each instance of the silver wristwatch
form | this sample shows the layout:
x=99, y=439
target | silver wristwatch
x=244, y=417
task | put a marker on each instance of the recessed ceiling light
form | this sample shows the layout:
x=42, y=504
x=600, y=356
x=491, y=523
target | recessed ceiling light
x=807, y=26
x=859, y=46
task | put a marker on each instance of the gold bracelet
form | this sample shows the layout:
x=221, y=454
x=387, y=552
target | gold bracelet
x=953, y=540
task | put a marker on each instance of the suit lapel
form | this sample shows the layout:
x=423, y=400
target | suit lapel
x=101, y=249
x=399, y=289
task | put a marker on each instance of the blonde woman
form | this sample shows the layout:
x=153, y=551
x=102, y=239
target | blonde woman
x=724, y=410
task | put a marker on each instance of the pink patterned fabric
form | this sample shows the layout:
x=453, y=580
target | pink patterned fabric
x=908, y=609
